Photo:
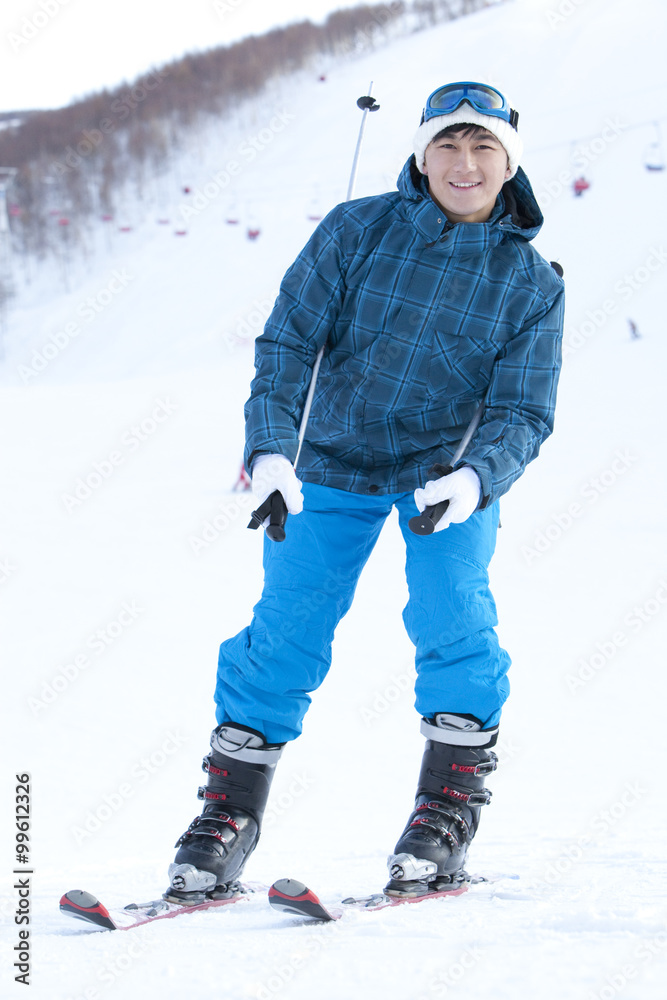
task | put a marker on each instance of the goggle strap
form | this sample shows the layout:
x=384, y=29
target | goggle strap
x=514, y=117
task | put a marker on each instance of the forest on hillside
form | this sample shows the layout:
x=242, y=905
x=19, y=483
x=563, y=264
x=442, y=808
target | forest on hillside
x=67, y=167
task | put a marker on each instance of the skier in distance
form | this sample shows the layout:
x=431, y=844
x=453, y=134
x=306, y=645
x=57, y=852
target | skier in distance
x=429, y=299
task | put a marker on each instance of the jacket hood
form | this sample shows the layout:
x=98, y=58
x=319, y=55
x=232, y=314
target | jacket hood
x=516, y=207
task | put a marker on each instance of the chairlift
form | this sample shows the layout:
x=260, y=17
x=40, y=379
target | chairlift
x=253, y=228
x=314, y=211
x=232, y=213
x=654, y=158
x=580, y=185
x=578, y=163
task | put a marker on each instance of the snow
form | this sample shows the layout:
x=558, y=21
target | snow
x=114, y=606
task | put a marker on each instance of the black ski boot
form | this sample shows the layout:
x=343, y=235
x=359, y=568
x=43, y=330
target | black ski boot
x=431, y=851
x=215, y=847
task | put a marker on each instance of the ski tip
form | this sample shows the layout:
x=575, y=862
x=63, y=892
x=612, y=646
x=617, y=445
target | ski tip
x=291, y=896
x=85, y=906
x=289, y=887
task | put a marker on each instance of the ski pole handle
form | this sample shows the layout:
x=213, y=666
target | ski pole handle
x=424, y=523
x=274, y=508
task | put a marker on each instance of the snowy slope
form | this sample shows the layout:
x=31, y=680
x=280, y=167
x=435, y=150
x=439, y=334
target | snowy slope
x=114, y=601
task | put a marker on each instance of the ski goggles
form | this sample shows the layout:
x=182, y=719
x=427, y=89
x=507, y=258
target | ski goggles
x=483, y=98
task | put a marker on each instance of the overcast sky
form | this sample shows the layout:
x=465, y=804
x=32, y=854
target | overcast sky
x=54, y=51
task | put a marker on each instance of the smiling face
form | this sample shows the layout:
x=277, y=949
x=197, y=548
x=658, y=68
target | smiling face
x=466, y=171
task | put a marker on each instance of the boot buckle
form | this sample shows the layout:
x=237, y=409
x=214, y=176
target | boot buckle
x=483, y=768
x=480, y=798
x=406, y=868
x=209, y=768
x=190, y=881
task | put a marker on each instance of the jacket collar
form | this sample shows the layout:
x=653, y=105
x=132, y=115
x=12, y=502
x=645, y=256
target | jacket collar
x=516, y=214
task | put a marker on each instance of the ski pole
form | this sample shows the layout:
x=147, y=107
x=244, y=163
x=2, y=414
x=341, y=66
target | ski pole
x=424, y=523
x=366, y=104
x=274, y=506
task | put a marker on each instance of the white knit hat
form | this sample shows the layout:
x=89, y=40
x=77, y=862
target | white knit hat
x=466, y=114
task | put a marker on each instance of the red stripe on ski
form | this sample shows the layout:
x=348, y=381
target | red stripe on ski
x=293, y=897
x=81, y=904
x=290, y=896
x=87, y=908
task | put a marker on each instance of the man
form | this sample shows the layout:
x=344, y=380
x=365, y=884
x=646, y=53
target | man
x=429, y=300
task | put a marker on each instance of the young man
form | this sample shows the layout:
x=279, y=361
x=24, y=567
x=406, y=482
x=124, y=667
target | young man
x=429, y=300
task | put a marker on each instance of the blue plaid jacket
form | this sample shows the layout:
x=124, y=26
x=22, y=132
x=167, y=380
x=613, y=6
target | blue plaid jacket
x=420, y=318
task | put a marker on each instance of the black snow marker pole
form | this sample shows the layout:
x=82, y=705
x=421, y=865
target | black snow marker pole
x=275, y=505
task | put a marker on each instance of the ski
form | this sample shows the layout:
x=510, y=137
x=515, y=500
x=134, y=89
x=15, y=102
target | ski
x=287, y=895
x=86, y=907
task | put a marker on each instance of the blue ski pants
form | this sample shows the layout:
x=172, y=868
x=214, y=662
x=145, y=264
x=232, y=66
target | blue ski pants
x=267, y=672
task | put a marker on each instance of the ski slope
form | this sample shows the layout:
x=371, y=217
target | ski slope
x=125, y=560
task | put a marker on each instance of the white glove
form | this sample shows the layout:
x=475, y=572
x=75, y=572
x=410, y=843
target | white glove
x=463, y=490
x=275, y=472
